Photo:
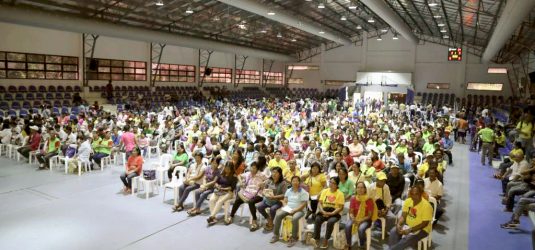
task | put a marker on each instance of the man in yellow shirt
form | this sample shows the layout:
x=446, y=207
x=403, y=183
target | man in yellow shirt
x=414, y=223
x=278, y=162
x=292, y=171
x=487, y=137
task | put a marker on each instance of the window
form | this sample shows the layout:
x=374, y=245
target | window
x=295, y=81
x=336, y=82
x=15, y=65
x=273, y=78
x=438, y=85
x=484, y=86
x=117, y=70
x=247, y=76
x=173, y=73
x=218, y=75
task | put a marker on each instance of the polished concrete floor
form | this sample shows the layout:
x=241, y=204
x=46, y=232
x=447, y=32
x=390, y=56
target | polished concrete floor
x=51, y=210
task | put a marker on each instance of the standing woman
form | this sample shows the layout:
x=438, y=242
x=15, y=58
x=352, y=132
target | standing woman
x=223, y=191
x=360, y=214
x=252, y=183
x=134, y=166
x=315, y=181
x=272, y=199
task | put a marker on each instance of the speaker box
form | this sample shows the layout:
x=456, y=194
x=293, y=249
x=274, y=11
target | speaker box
x=93, y=64
x=207, y=71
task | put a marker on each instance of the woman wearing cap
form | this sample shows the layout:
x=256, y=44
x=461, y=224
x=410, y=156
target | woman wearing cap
x=380, y=193
x=134, y=166
x=331, y=204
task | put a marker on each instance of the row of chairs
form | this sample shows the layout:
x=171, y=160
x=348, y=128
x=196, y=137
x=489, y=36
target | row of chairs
x=36, y=96
x=24, y=112
x=16, y=105
x=40, y=88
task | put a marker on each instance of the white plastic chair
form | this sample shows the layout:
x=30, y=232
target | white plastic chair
x=105, y=161
x=86, y=164
x=420, y=156
x=427, y=241
x=151, y=185
x=175, y=183
x=302, y=223
x=12, y=151
x=226, y=206
x=54, y=161
x=162, y=166
x=155, y=147
x=405, y=193
x=368, y=236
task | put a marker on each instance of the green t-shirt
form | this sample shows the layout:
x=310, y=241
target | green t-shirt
x=486, y=134
x=428, y=148
x=348, y=187
x=181, y=158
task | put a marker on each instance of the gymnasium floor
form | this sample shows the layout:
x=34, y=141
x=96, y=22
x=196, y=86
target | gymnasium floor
x=51, y=210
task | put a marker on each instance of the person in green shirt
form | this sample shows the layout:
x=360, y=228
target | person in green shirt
x=53, y=147
x=180, y=159
x=487, y=138
x=102, y=147
x=429, y=146
x=402, y=147
x=346, y=185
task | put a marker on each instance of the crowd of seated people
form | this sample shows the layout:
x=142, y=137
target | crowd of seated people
x=320, y=161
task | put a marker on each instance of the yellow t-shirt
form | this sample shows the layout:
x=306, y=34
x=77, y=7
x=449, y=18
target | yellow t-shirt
x=525, y=130
x=422, y=170
x=281, y=163
x=330, y=199
x=316, y=184
x=288, y=174
x=418, y=214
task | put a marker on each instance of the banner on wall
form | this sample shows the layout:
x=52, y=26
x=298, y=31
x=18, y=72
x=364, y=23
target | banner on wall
x=410, y=96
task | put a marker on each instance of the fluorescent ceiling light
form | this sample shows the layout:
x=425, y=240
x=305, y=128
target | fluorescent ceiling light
x=303, y=67
x=371, y=20
x=441, y=24
x=322, y=32
x=189, y=10
x=443, y=30
x=271, y=13
x=379, y=38
x=395, y=37
x=216, y=18
x=294, y=40
x=497, y=71
x=343, y=18
x=159, y=3
x=359, y=27
x=264, y=31
x=384, y=30
x=321, y=6
x=279, y=35
x=432, y=3
x=446, y=37
x=437, y=16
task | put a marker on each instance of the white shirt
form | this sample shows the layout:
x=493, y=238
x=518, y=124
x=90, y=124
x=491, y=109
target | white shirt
x=517, y=168
x=433, y=188
x=5, y=135
x=84, y=151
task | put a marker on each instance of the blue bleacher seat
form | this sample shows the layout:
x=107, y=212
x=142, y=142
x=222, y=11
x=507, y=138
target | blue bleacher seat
x=12, y=113
x=51, y=88
x=60, y=88
x=42, y=89
x=49, y=96
x=19, y=97
x=66, y=103
x=26, y=105
x=67, y=96
x=2, y=113
x=36, y=104
x=57, y=103
x=4, y=105
x=75, y=110
x=77, y=89
x=22, y=89
x=55, y=111
x=23, y=112
x=15, y=105
x=64, y=110
x=2, y=89
x=12, y=89
x=68, y=89
x=8, y=97
x=39, y=96
x=35, y=110
x=32, y=88
x=72, y=117
x=59, y=96
x=30, y=97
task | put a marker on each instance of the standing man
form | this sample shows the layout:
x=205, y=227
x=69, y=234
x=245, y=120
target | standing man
x=487, y=137
x=109, y=90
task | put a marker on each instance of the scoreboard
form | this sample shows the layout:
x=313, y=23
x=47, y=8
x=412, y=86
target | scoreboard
x=455, y=54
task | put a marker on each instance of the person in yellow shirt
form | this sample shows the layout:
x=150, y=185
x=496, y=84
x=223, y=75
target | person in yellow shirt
x=292, y=171
x=331, y=204
x=414, y=223
x=314, y=182
x=487, y=137
x=278, y=162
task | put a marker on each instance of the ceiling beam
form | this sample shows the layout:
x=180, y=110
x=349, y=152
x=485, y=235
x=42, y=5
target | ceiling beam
x=513, y=15
x=389, y=16
x=287, y=19
x=74, y=23
x=447, y=18
x=477, y=20
x=461, y=20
